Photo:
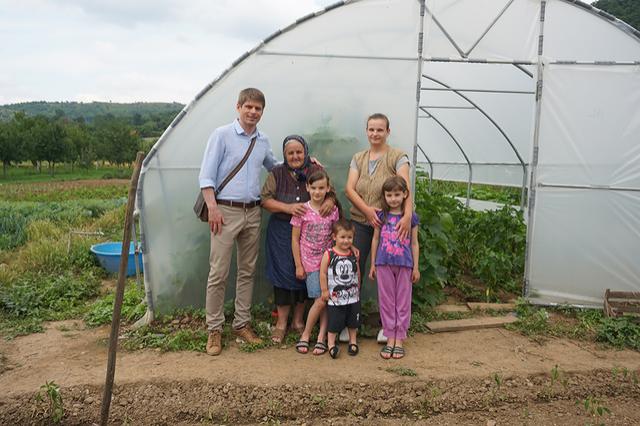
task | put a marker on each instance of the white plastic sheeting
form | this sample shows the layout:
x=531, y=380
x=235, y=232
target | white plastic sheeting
x=323, y=75
x=586, y=227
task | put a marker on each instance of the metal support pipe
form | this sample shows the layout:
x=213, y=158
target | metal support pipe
x=334, y=56
x=446, y=107
x=455, y=163
x=478, y=61
x=450, y=89
x=418, y=92
x=496, y=19
x=534, y=156
x=446, y=34
x=524, y=70
x=464, y=154
x=589, y=187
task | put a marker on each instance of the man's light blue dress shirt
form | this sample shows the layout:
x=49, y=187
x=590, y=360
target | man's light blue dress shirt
x=225, y=148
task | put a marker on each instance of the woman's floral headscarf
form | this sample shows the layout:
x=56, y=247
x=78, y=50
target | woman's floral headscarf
x=299, y=173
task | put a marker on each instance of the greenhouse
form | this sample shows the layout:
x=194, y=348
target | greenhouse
x=541, y=95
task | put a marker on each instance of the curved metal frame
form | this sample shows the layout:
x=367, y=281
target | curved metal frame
x=515, y=150
x=430, y=165
x=464, y=154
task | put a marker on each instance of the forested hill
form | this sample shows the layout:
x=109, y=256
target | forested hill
x=627, y=10
x=138, y=112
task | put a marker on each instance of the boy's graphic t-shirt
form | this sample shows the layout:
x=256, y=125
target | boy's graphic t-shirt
x=315, y=236
x=342, y=278
x=391, y=249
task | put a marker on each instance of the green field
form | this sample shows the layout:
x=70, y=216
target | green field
x=63, y=172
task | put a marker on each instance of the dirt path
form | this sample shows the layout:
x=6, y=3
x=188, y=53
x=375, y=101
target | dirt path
x=478, y=362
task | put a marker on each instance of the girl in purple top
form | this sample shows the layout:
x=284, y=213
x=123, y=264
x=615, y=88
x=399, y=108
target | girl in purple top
x=394, y=261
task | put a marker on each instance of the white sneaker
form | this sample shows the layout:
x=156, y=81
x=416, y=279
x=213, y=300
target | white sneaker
x=344, y=336
x=382, y=339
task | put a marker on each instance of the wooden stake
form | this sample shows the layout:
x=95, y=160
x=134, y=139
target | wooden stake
x=117, y=305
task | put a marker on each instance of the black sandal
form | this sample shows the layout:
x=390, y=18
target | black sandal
x=353, y=349
x=320, y=346
x=399, y=351
x=302, y=344
x=334, y=351
x=387, y=350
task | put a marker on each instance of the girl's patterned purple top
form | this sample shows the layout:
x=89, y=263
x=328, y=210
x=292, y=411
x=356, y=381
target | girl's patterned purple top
x=391, y=249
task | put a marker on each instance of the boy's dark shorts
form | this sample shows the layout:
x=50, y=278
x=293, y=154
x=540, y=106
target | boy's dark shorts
x=343, y=316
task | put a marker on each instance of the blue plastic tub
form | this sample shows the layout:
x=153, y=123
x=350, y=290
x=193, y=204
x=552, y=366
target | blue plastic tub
x=109, y=257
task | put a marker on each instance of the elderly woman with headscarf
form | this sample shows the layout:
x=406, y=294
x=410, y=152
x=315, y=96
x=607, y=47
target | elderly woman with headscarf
x=284, y=194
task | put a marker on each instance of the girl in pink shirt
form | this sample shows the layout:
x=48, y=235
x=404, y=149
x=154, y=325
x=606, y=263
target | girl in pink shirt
x=310, y=237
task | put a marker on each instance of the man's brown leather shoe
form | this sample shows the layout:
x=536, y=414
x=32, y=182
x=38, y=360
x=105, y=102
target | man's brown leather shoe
x=214, y=343
x=246, y=335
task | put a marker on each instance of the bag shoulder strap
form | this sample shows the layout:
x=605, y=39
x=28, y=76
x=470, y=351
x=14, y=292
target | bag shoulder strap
x=237, y=168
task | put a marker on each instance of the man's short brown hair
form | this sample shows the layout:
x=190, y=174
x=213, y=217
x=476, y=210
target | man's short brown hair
x=251, y=94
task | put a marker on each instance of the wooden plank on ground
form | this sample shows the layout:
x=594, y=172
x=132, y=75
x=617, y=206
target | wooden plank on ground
x=470, y=323
x=452, y=308
x=492, y=306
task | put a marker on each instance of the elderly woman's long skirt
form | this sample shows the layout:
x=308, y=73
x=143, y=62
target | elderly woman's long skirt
x=280, y=269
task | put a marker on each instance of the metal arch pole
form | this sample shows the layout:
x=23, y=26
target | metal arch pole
x=483, y=112
x=534, y=155
x=461, y=150
x=418, y=92
x=430, y=165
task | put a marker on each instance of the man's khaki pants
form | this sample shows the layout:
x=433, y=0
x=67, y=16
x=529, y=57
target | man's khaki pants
x=243, y=227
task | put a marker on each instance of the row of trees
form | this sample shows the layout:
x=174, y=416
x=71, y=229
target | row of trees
x=60, y=140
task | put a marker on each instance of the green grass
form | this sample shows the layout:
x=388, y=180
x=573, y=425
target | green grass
x=32, y=299
x=401, y=371
x=583, y=324
x=27, y=173
x=166, y=339
x=62, y=191
x=101, y=311
x=15, y=217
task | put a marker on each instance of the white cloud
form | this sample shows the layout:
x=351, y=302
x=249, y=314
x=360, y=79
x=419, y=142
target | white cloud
x=118, y=50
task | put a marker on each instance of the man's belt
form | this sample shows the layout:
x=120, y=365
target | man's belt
x=239, y=204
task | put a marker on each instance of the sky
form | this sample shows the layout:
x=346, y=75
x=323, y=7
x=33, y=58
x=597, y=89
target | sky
x=129, y=50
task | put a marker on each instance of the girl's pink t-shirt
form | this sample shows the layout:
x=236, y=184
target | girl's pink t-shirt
x=315, y=236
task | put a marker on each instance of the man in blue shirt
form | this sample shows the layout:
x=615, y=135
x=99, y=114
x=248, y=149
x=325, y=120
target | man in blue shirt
x=234, y=214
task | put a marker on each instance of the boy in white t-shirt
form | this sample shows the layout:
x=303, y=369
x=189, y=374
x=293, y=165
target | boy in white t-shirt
x=340, y=283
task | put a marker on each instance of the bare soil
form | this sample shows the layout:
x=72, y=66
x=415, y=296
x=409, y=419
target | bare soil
x=465, y=378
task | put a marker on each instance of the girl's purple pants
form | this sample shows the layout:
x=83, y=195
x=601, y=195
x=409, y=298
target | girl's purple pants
x=394, y=300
